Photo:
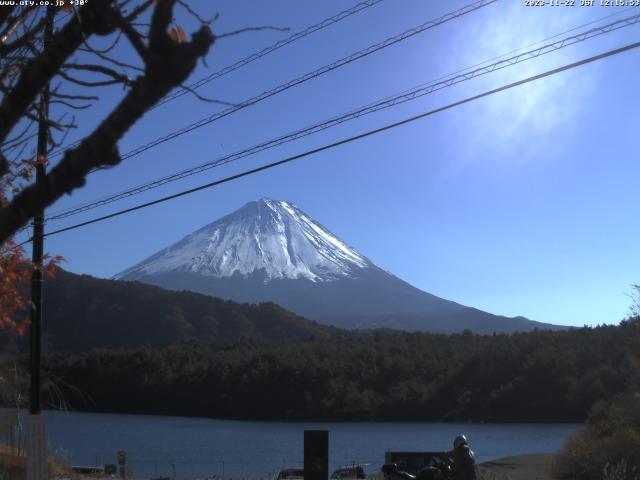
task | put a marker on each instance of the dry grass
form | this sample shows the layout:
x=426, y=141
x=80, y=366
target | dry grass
x=620, y=471
x=589, y=456
x=608, y=447
x=14, y=466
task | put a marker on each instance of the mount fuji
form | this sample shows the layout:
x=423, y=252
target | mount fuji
x=271, y=250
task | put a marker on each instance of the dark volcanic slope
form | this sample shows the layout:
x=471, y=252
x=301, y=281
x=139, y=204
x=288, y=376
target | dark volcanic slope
x=375, y=299
x=82, y=312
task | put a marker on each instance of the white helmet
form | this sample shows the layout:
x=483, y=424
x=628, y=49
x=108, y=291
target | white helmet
x=460, y=440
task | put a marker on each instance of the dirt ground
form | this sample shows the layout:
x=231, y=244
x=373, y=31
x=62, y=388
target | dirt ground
x=521, y=467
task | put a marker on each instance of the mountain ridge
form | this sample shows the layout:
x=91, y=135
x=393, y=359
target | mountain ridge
x=270, y=250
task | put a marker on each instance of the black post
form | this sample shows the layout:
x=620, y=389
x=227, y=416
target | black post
x=316, y=455
x=37, y=468
x=38, y=243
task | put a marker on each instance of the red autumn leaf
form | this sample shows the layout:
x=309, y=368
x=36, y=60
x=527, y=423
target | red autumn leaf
x=52, y=269
x=15, y=272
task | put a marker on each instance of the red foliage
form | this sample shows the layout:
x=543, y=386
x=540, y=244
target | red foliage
x=15, y=271
x=15, y=274
x=15, y=267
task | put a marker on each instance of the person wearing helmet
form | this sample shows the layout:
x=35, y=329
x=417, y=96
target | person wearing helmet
x=464, y=461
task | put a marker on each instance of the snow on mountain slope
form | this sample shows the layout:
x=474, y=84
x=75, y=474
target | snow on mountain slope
x=270, y=237
x=271, y=251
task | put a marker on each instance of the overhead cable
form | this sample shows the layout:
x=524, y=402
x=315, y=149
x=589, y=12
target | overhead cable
x=254, y=56
x=354, y=114
x=302, y=79
x=270, y=49
x=354, y=138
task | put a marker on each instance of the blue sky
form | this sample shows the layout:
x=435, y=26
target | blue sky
x=523, y=203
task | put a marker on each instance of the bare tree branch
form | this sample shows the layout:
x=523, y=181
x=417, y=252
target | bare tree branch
x=24, y=39
x=13, y=23
x=70, y=105
x=134, y=37
x=53, y=143
x=109, y=59
x=18, y=137
x=5, y=13
x=138, y=10
x=251, y=29
x=206, y=99
x=56, y=94
x=89, y=48
x=168, y=65
x=109, y=72
x=97, y=19
x=88, y=83
x=193, y=13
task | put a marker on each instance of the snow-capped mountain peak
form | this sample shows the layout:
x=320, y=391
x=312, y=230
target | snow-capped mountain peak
x=268, y=237
x=271, y=251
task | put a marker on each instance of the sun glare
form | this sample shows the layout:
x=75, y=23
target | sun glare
x=539, y=108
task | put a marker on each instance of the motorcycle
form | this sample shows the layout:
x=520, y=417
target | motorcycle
x=439, y=468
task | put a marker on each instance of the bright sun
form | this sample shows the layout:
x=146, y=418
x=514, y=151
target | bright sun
x=536, y=109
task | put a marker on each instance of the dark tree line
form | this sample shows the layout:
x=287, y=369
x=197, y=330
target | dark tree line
x=529, y=377
x=83, y=312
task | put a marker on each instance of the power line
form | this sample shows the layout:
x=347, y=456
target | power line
x=408, y=95
x=270, y=49
x=529, y=45
x=371, y=108
x=369, y=133
x=308, y=76
x=254, y=56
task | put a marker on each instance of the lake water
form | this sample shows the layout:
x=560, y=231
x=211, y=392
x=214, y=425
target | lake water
x=200, y=447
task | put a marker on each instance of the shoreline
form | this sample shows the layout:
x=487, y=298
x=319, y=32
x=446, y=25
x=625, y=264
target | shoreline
x=520, y=467
x=298, y=421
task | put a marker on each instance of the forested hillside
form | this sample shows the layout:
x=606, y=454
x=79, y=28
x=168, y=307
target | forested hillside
x=528, y=377
x=83, y=312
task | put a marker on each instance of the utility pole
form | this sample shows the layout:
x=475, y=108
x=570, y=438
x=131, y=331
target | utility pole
x=37, y=468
